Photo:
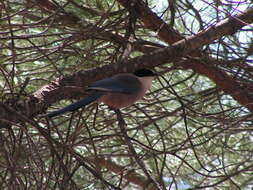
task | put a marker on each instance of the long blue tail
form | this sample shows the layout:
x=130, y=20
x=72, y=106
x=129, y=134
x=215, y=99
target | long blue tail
x=72, y=107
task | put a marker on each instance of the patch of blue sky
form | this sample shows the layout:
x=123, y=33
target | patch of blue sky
x=179, y=184
x=160, y=6
x=207, y=9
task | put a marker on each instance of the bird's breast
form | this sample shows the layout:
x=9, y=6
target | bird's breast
x=120, y=100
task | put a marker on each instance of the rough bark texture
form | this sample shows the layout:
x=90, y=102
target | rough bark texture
x=41, y=99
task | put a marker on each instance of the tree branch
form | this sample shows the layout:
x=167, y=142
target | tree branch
x=226, y=27
x=55, y=91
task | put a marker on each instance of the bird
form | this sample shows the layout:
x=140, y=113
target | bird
x=119, y=91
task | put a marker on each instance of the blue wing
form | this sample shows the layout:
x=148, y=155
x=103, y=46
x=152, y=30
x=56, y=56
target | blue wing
x=72, y=107
x=122, y=83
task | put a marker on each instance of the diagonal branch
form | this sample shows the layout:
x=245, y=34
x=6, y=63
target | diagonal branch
x=177, y=50
x=226, y=27
x=152, y=22
x=55, y=91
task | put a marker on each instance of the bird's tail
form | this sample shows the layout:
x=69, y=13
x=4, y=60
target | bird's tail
x=72, y=107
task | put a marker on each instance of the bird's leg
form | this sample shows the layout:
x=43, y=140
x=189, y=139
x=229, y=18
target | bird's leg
x=120, y=117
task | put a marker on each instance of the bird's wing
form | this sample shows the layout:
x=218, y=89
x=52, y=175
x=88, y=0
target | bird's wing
x=81, y=103
x=121, y=83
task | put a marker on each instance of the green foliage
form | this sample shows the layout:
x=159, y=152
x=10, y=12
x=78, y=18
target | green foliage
x=187, y=132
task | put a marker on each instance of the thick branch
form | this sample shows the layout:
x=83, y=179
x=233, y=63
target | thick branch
x=57, y=90
x=180, y=49
x=153, y=22
x=228, y=26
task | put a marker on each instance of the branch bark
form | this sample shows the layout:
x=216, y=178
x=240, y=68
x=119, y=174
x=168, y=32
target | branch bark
x=226, y=27
x=62, y=88
x=55, y=91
